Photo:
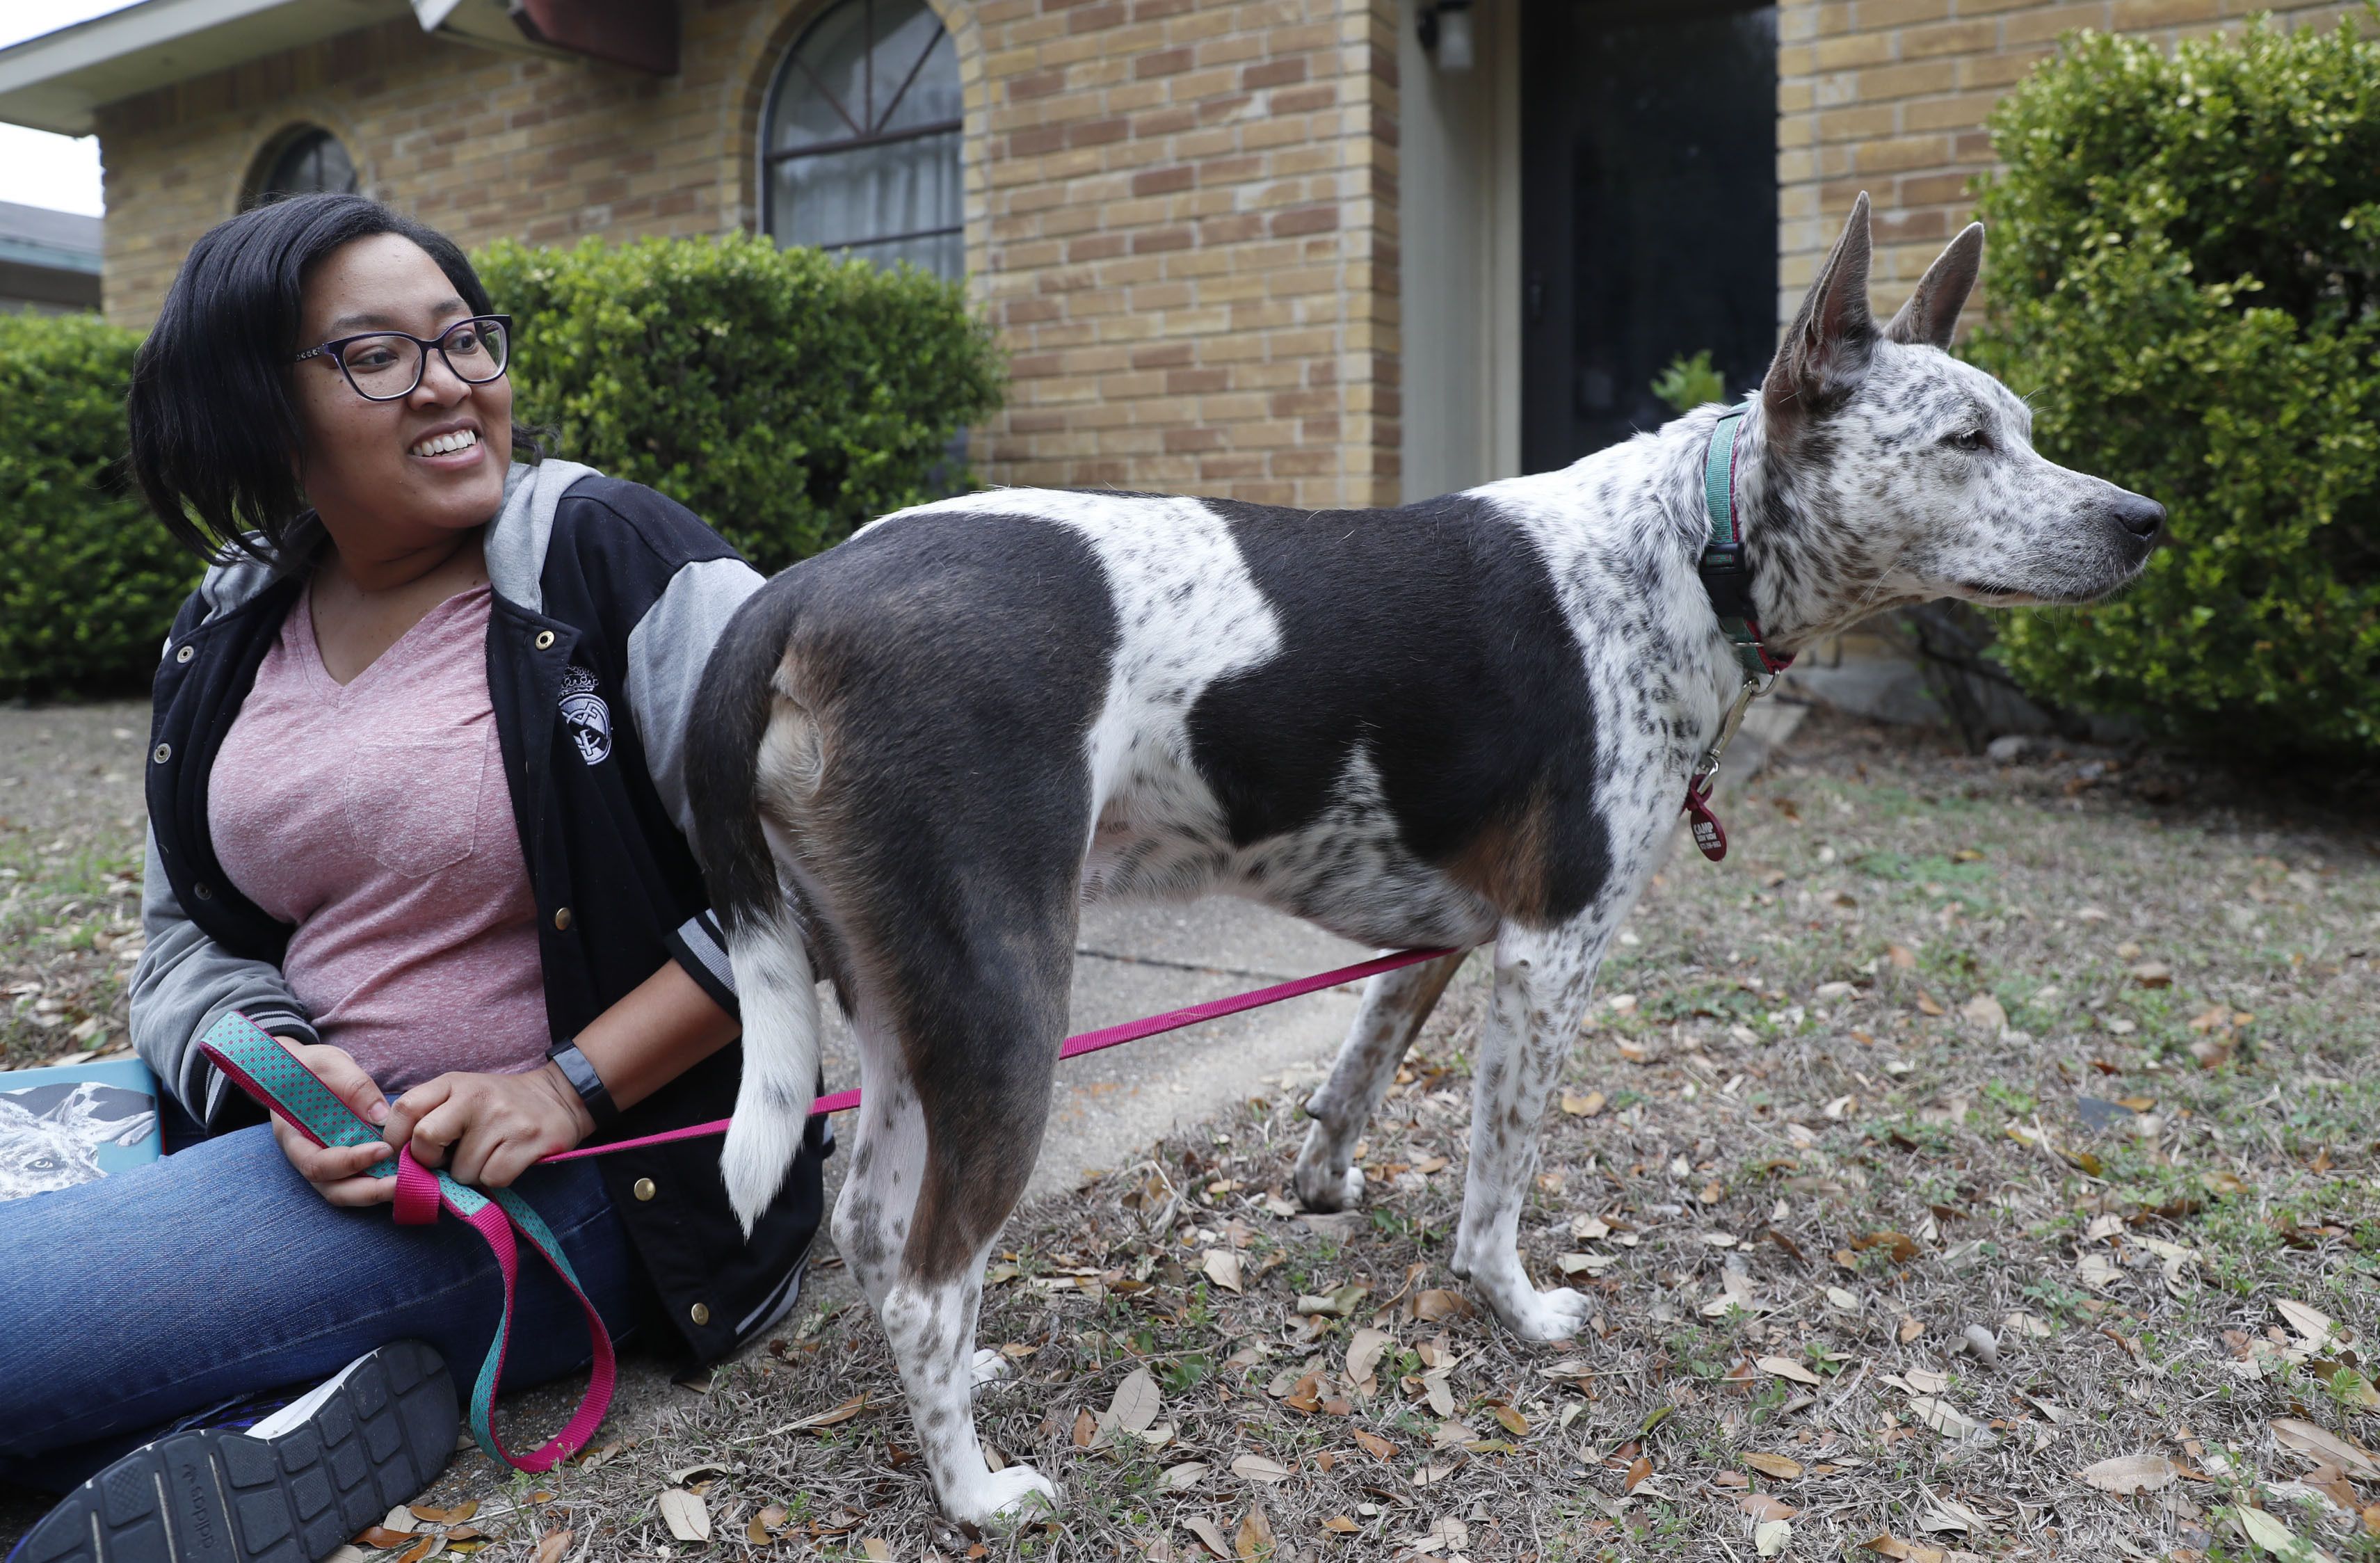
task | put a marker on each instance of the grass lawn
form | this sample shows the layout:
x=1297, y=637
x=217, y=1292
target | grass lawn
x=1972, y=1127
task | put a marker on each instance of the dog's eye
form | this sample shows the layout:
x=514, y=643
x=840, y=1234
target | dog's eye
x=1969, y=439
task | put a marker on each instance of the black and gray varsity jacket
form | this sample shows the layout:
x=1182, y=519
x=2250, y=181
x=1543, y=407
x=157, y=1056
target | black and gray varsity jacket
x=608, y=597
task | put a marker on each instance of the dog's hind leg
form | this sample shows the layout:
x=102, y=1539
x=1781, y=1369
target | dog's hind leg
x=1395, y=1004
x=1543, y=979
x=922, y=1261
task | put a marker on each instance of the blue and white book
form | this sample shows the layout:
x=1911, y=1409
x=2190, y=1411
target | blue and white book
x=70, y=1123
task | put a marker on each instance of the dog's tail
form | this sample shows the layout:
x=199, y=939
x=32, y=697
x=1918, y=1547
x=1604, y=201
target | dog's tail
x=733, y=786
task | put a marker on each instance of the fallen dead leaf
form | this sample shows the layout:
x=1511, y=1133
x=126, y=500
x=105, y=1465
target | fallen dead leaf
x=1254, y=1541
x=1136, y=1400
x=1434, y=1304
x=1770, y=1536
x=1372, y=1444
x=878, y=1549
x=1208, y=1533
x=1775, y=1466
x=1187, y=1474
x=1638, y=1469
x=1257, y=1468
x=2313, y=1323
x=686, y=1516
x=1906, y=1552
x=1580, y=1106
x=454, y=1516
x=1766, y=1505
x=554, y=1545
x=2127, y=1474
x=1947, y=1420
x=2323, y=1443
x=1786, y=1367
x=1222, y=1267
x=1364, y=1351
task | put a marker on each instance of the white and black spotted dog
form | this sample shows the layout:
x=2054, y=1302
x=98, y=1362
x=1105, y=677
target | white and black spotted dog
x=1466, y=722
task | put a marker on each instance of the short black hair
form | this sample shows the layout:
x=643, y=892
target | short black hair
x=212, y=422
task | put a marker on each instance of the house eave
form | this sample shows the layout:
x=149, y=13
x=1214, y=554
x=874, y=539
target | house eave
x=57, y=80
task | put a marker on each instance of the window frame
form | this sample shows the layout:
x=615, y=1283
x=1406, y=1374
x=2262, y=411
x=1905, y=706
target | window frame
x=791, y=65
x=256, y=188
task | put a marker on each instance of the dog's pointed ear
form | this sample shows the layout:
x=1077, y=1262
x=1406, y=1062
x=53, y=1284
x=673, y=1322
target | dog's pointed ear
x=1932, y=313
x=1826, y=353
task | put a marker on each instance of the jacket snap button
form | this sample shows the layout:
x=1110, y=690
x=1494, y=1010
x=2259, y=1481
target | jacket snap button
x=645, y=1188
x=186, y=653
x=204, y=891
x=162, y=753
x=699, y=1313
x=562, y=920
x=544, y=640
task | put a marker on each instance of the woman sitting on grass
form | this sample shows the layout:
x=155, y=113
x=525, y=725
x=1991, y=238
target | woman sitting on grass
x=416, y=808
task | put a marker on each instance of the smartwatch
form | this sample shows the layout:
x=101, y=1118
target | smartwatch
x=584, y=1081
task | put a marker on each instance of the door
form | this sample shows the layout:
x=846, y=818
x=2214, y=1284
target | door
x=1648, y=210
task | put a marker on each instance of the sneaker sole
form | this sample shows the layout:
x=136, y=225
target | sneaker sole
x=376, y=1440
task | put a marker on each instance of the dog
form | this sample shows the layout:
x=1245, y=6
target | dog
x=1463, y=723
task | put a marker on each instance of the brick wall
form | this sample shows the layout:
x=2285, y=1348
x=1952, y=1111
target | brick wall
x=1190, y=244
x=1180, y=212
x=1889, y=96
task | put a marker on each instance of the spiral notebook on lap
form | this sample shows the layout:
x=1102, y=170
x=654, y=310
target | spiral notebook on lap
x=69, y=1123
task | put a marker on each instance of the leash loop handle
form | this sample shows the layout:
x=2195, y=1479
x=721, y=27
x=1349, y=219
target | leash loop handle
x=270, y=1073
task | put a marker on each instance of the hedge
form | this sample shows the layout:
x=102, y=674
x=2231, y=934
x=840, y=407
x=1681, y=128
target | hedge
x=2185, y=279
x=89, y=582
x=784, y=395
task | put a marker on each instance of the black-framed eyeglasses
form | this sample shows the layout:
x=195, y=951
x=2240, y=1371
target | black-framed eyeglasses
x=387, y=365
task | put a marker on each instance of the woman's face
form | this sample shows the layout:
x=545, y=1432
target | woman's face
x=363, y=466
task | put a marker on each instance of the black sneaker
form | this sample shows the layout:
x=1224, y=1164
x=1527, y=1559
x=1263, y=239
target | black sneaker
x=290, y=1489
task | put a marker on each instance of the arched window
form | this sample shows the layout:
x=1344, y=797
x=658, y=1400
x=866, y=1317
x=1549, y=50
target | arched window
x=304, y=160
x=859, y=151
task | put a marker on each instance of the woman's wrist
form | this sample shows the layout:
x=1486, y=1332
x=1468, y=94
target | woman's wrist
x=567, y=1095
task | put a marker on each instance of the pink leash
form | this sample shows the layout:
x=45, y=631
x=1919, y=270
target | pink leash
x=271, y=1074
x=1075, y=1046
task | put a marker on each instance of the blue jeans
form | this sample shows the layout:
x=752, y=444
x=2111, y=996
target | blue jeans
x=218, y=1272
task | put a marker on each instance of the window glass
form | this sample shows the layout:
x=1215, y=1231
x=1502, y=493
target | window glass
x=309, y=162
x=862, y=140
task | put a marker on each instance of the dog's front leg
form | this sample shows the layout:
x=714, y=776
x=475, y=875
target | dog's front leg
x=1542, y=982
x=1395, y=1005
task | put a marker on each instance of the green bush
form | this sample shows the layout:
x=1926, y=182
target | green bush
x=2185, y=278
x=1690, y=382
x=783, y=395
x=89, y=580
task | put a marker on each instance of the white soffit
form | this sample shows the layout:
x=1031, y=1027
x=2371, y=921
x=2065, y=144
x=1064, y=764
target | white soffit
x=54, y=82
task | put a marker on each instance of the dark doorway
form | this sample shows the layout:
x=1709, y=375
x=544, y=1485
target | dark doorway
x=1648, y=209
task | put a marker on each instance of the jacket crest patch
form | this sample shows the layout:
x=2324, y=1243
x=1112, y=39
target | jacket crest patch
x=585, y=714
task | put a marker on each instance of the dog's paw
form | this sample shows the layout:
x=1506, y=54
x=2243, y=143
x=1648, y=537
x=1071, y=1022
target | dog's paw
x=1008, y=1495
x=1319, y=1191
x=1557, y=1314
x=989, y=1367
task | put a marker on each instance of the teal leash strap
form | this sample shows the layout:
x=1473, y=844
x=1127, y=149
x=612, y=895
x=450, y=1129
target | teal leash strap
x=271, y=1074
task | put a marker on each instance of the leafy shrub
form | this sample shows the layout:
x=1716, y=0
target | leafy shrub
x=2185, y=271
x=89, y=580
x=1690, y=382
x=783, y=395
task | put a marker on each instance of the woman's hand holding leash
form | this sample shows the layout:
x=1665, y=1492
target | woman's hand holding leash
x=339, y=1171
x=486, y=1129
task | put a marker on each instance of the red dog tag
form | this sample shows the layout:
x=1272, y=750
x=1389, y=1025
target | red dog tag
x=1710, y=837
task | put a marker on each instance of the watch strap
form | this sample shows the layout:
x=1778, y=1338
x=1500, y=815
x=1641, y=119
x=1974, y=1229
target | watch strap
x=580, y=1073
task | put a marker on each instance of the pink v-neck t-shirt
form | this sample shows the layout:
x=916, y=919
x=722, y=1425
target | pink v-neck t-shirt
x=375, y=815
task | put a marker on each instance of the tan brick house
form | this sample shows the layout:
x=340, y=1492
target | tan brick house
x=1284, y=250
